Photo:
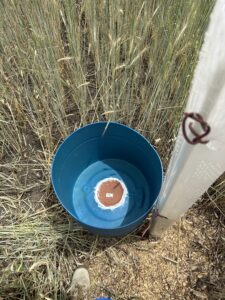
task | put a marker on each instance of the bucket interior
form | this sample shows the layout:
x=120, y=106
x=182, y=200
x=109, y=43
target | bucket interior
x=106, y=175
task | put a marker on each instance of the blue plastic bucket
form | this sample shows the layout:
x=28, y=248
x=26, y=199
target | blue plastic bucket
x=102, y=163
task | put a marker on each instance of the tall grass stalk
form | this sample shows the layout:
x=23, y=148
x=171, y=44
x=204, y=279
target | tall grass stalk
x=64, y=64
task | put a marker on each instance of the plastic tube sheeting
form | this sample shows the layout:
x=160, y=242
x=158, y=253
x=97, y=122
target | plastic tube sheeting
x=194, y=168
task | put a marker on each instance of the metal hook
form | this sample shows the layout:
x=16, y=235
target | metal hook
x=198, y=137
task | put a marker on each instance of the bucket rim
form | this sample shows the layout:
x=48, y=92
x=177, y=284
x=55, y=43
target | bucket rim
x=107, y=124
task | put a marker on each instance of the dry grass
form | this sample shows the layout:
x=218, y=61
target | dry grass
x=63, y=64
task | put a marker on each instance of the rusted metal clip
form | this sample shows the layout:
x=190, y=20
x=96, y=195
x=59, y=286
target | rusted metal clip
x=198, y=137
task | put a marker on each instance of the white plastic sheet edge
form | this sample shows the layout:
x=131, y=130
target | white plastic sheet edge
x=194, y=168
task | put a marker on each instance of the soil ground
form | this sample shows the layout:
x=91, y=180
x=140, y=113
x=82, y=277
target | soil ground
x=186, y=263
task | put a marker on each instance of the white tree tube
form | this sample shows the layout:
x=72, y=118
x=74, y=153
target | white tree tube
x=194, y=168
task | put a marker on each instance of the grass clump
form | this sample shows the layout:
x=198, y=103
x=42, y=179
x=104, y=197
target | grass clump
x=64, y=64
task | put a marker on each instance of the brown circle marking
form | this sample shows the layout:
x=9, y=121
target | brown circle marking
x=110, y=192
